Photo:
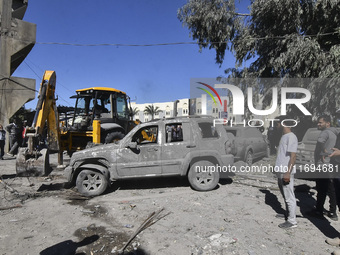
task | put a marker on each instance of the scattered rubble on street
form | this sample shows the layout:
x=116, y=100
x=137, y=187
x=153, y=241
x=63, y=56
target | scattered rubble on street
x=40, y=215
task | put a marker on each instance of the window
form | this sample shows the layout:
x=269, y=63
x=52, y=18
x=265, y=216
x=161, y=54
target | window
x=199, y=107
x=98, y=106
x=122, y=107
x=167, y=110
x=82, y=110
x=146, y=135
x=207, y=130
x=107, y=105
x=185, y=109
x=174, y=132
x=81, y=106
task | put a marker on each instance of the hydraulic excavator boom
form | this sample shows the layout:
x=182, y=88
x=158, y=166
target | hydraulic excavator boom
x=44, y=133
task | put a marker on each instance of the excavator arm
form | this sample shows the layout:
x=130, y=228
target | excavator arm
x=46, y=112
x=34, y=160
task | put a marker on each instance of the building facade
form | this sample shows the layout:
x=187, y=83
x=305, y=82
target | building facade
x=203, y=106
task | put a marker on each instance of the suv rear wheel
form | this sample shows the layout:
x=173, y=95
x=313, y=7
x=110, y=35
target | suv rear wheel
x=91, y=183
x=203, y=176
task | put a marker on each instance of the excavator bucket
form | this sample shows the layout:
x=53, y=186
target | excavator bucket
x=26, y=165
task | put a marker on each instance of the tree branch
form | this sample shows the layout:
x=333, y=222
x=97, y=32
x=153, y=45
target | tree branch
x=241, y=14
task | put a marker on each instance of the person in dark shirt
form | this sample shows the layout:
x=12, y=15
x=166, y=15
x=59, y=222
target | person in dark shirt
x=2, y=141
x=14, y=133
x=325, y=143
x=335, y=161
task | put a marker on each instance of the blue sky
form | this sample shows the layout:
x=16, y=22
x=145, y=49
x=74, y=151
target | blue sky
x=146, y=74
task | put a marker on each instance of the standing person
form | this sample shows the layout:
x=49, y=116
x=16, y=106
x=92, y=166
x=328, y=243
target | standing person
x=179, y=133
x=325, y=143
x=2, y=141
x=174, y=133
x=271, y=137
x=335, y=160
x=274, y=136
x=285, y=161
x=13, y=131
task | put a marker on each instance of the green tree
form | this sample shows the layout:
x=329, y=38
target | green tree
x=276, y=39
x=152, y=110
x=22, y=115
x=134, y=111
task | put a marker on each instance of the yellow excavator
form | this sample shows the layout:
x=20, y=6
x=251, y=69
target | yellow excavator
x=101, y=115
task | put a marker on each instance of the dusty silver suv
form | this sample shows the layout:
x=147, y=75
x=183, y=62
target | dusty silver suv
x=182, y=146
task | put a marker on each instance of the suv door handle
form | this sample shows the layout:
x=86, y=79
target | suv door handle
x=191, y=146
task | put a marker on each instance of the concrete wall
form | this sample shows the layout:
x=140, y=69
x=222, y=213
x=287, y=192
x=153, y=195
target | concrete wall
x=16, y=41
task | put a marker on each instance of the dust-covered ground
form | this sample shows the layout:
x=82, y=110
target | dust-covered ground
x=39, y=215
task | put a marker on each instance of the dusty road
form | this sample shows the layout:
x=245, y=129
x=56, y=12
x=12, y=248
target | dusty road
x=236, y=218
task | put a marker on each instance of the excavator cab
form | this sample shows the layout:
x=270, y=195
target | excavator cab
x=101, y=115
x=105, y=104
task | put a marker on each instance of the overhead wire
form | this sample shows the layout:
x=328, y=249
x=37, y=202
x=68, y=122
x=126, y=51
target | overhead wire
x=31, y=68
x=179, y=43
x=59, y=97
x=58, y=82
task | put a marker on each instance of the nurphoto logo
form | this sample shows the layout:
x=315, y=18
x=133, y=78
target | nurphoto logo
x=280, y=96
x=238, y=100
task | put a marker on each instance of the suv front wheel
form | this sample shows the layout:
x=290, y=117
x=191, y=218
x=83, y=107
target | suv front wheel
x=203, y=176
x=91, y=183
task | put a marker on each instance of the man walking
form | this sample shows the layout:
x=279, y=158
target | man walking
x=285, y=162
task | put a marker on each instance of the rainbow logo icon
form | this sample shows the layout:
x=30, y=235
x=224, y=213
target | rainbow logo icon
x=209, y=93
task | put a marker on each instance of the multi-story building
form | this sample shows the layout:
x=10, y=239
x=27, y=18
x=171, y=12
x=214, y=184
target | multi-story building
x=202, y=106
x=167, y=109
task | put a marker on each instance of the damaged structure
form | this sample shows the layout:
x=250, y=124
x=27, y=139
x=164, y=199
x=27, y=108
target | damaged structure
x=17, y=38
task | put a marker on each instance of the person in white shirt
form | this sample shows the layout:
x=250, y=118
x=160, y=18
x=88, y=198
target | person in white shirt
x=285, y=162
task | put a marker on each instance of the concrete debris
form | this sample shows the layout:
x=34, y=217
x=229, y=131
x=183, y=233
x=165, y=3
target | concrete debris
x=221, y=240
